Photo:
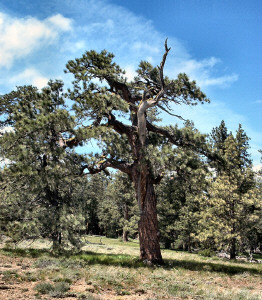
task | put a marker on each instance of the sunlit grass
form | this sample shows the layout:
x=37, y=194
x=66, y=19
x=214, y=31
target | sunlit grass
x=111, y=267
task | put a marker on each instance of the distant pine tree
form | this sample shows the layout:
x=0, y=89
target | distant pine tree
x=230, y=196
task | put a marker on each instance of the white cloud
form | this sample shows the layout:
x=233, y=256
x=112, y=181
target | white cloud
x=223, y=81
x=6, y=129
x=145, y=46
x=258, y=101
x=20, y=37
x=4, y=161
x=202, y=72
x=30, y=76
x=257, y=168
x=61, y=22
x=130, y=72
x=133, y=38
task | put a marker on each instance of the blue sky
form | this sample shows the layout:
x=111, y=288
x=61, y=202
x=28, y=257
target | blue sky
x=216, y=42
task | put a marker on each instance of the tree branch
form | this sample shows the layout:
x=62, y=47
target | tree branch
x=180, y=140
x=118, y=126
x=108, y=163
x=161, y=75
x=171, y=114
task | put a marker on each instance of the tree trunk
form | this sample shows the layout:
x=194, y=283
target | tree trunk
x=233, y=249
x=145, y=192
x=168, y=244
x=147, y=225
x=126, y=218
x=57, y=241
x=125, y=236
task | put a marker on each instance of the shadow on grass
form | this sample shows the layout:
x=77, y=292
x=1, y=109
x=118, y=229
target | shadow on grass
x=28, y=252
x=215, y=266
x=129, y=261
x=88, y=257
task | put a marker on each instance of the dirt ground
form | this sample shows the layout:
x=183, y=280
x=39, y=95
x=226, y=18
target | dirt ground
x=13, y=288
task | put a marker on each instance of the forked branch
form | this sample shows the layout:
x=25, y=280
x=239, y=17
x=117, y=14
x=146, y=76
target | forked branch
x=161, y=76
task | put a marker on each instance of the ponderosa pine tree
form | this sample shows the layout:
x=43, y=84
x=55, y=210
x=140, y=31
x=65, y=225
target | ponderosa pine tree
x=39, y=181
x=121, y=192
x=177, y=208
x=252, y=236
x=103, y=99
x=218, y=137
x=230, y=195
x=93, y=193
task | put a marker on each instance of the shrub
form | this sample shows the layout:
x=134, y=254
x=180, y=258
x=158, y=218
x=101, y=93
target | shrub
x=57, y=290
x=207, y=253
x=43, y=288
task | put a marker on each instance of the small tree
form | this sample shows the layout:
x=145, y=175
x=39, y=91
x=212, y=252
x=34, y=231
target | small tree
x=230, y=195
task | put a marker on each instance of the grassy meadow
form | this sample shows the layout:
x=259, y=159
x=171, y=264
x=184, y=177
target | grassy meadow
x=110, y=269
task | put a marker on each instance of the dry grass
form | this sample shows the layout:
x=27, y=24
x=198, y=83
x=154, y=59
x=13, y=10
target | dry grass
x=110, y=269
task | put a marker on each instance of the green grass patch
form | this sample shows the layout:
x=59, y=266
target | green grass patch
x=56, y=290
x=110, y=259
x=25, y=252
x=10, y=276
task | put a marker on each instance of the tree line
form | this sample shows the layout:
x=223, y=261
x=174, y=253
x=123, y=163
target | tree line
x=172, y=186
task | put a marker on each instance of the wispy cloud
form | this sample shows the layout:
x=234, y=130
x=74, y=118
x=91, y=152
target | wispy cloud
x=258, y=101
x=97, y=24
x=102, y=26
x=202, y=71
x=223, y=81
x=133, y=38
x=30, y=76
x=60, y=22
x=20, y=37
x=208, y=116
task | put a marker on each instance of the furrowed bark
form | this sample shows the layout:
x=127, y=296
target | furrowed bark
x=144, y=183
x=148, y=224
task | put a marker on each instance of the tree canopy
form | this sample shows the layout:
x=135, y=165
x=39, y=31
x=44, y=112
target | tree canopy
x=123, y=117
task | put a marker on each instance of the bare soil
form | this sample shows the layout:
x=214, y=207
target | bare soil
x=13, y=288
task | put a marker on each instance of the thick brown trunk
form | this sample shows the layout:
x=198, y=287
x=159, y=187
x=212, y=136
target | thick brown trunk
x=148, y=225
x=145, y=193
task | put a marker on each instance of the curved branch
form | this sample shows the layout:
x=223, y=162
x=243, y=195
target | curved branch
x=120, y=86
x=118, y=126
x=192, y=144
x=108, y=163
x=171, y=114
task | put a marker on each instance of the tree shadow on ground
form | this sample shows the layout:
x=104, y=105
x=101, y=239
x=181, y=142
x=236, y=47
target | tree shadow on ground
x=125, y=260
x=25, y=252
x=129, y=261
x=215, y=266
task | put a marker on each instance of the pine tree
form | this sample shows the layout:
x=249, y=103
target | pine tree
x=133, y=147
x=218, y=137
x=177, y=207
x=39, y=182
x=230, y=195
x=117, y=210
